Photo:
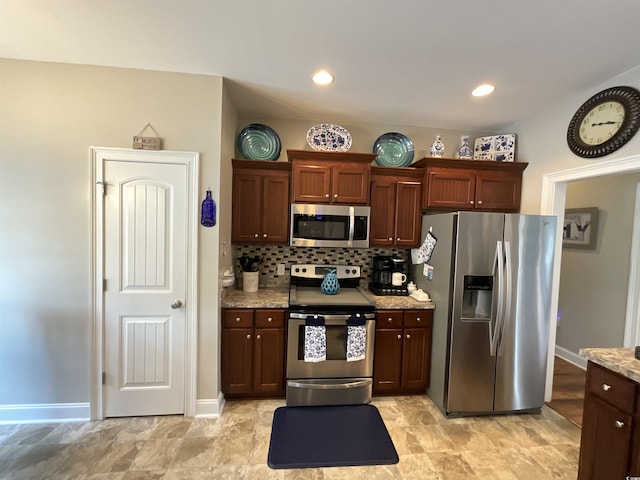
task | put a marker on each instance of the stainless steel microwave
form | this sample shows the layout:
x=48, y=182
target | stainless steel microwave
x=329, y=225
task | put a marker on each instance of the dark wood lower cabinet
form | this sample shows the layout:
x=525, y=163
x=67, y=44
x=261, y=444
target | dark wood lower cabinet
x=253, y=352
x=609, y=445
x=402, y=355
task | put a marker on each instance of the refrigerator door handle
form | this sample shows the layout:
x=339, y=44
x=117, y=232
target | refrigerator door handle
x=498, y=271
x=508, y=295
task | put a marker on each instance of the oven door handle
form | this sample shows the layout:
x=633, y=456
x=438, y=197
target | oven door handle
x=338, y=319
x=329, y=386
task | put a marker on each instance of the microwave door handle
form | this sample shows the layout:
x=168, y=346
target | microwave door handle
x=352, y=221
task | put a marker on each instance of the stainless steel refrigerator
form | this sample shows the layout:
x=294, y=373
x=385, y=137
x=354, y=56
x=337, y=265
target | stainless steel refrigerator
x=489, y=275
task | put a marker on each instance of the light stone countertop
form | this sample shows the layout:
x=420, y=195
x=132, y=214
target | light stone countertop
x=279, y=298
x=620, y=360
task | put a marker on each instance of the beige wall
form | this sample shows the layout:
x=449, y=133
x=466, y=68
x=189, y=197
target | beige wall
x=50, y=114
x=593, y=283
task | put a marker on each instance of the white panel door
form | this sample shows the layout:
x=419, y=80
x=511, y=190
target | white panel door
x=145, y=254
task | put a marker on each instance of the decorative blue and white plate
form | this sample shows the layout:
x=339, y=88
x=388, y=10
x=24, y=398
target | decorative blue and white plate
x=259, y=142
x=328, y=137
x=499, y=148
x=394, y=150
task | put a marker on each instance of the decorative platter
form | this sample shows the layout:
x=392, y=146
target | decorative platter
x=328, y=137
x=499, y=148
x=394, y=150
x=259, y=142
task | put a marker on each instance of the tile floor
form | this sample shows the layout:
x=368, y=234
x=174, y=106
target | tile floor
x=235, y=446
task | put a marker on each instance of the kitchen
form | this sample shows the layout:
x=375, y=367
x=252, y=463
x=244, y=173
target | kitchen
x=50, y=373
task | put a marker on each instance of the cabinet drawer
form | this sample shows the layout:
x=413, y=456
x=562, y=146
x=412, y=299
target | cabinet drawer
x=418, y=318
x=389, y=319
x=270, y=318
x=238, y=318
x=615, y=389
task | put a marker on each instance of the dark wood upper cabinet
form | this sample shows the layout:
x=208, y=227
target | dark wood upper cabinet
x=330, y=177
x=260, y=207
x=395, y=207
x=453, y=184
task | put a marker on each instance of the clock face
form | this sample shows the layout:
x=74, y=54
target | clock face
x=601, y=123
x=605, y=122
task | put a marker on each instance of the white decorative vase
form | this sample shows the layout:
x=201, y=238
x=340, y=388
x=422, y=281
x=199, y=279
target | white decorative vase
x=250, y=281
x=437, y=147
x=465, y=151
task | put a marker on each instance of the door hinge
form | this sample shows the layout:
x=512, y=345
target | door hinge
x=104, y=378
x=104, y=284
x=102, y=188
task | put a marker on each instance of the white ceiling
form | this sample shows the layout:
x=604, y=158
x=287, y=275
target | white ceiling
x=404, y=62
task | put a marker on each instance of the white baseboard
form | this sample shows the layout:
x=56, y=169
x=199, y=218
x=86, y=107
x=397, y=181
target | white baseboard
x=45, y=413
x=209, y=408
x=571, y=357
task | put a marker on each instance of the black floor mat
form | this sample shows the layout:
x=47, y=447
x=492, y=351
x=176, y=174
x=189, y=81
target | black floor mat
x=329, y=436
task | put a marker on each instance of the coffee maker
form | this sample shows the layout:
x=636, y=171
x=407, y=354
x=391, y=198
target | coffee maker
x=384, y=281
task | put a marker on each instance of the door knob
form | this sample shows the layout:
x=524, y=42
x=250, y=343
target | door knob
x=176, y=304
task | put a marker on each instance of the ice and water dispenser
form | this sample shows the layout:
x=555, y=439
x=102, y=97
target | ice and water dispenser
x=477, y=297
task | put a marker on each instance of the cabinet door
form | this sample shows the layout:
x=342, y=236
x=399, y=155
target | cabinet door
x=449, y=189
x=387, y=361
x=605, y=444
x=407, y=214
x=246, y=208
x=269, y=361
x=416, y=356
x=350, y=183
x=383, y=210
x=275, y=209
x=311, y=183
x=498, y=191
x=237, y=360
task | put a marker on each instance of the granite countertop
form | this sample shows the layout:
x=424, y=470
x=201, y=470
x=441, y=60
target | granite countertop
x=620, y=360
x=279, y=298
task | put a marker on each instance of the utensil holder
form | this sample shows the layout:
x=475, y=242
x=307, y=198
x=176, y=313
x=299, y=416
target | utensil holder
x=250, y=281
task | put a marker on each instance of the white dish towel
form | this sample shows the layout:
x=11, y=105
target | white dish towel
x=356, y=338
x=315, y=339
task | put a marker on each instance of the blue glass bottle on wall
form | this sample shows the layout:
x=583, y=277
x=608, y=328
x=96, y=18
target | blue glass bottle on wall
x=208, y=213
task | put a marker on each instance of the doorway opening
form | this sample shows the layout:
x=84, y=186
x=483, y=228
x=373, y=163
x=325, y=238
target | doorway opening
x=554, y=188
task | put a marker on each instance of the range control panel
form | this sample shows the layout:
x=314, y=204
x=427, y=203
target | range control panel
x=319, y=271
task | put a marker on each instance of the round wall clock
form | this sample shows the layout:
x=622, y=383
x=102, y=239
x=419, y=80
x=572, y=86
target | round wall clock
x=605, y=122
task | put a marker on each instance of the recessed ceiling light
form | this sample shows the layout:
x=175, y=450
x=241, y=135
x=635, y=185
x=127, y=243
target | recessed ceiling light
x=322, y=77
x=482, y=90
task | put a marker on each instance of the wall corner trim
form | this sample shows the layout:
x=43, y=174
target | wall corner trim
x=209, y=408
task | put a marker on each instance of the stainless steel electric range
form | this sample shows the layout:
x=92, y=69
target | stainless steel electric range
x=334, y=375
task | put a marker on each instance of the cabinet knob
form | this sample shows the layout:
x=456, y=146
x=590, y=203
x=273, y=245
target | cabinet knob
x=471, y=202
x=619, y=424
x=264, y=235
x=258, y=337
x=408, y=336
x=255, y=235
x=399, y=337
x=248, y=336
x=335, y=195
x=390, y=320
x=269, y=319
x=390, y=239
x=398, y=239
x=606, y=387
x=238, y=319
x=326, y=195
x=418, y=319
x=479, y=202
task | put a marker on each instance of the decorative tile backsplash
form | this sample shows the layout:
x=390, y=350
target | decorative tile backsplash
x=272, y=255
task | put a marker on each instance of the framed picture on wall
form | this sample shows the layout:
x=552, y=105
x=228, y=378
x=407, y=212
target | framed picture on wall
x=580, y=228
